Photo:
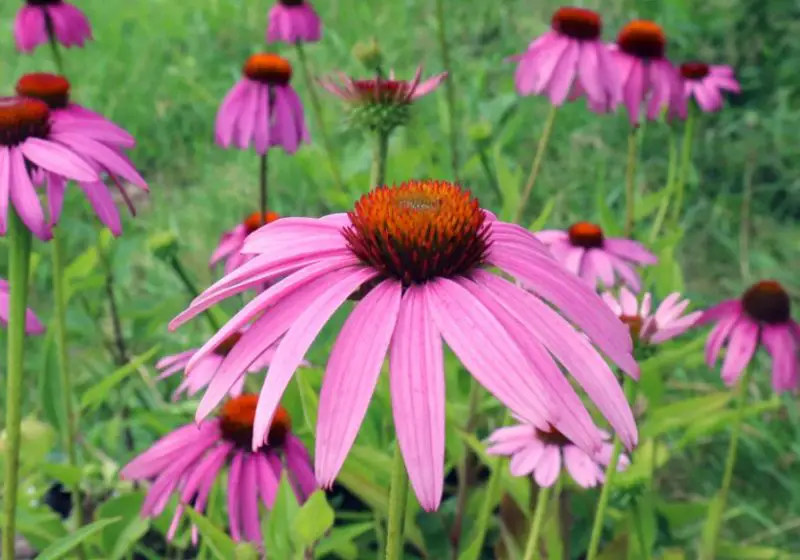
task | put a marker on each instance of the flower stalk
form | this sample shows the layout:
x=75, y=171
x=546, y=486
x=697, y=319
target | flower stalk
x=541, y=148
x=686, y=158
x=398, y=496
x=377, y=176
x=630, y=184
x=542, y=501
x=450, y=88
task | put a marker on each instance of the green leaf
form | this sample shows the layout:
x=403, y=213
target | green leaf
x=313, y=520
x=640, y=467
x=221, y=545
x=509, y=182
x=732, y=551
x=50, y=384
x=544, y=215
x=129, y=537
x=62, y=547
x=41, y=527
x=648, y=204
x=711, y=526
x=340, y=541
x=683, y=413
x=246, y=551
x=98, y=393
x=66, y=474
x=705, y=426
x=118, y=539
x=277, y=536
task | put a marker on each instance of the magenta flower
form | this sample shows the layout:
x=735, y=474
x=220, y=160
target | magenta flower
x=96, y=139
x=584, y=250
x=665, y=324
x=293, y=21
x=761, y=316
x=570, y=54
x=543, y=451
x=187, y=462
x=32, y=324
x=417, y=253
x=39, y=21
x=379, y=91
x=262, y=109
x=230, y=244
x=704, y=84
x=30, y=142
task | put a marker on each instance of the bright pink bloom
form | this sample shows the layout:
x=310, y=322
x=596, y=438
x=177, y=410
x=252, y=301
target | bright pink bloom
x=188, y=461
x=96, y=139
x=665, y=324
x=543, y=451
x=230, y=244
x=584, y=250
x=761, y=316
x=30, y=140
x=262, y=109
x=570, y=54
x=377, y=90
x=32, y=324
x=38, y=19
x=704, y=84
x=293, y=21
x=415, y=255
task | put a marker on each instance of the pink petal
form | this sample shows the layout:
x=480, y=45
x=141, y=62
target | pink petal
x=58, y=159
x=234, y=496
x=24, y=197
x=718, y=335
x=783, y=348
x=741, y=347
x=548, y=467
x=630, y=250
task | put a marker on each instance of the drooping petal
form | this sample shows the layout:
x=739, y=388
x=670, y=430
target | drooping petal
x=783, y=347
x=741, y=348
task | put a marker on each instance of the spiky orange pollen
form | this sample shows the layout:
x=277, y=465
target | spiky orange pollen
x=767, y=302
x=50, y=88
x=694, y=70
x=22, y=118
x=382, y=91
x=553, y=437
x=586, y=235
x=238, y=415
x=643, y=39
x=418, y=231
x=577, y=23
x=268, y=68
x=257, y=219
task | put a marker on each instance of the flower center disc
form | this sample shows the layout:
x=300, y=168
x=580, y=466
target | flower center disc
x=50, y=88
x=22, y=118
x=238, y=415
x=257, y=220
x=577, y=23
x=767, y=302
x=643, y=39
x=269, y=69
x=382, y=91
x=586, y=235
x=43, y=2
x=694, y=70
x=553, y=437
x=634, y=323
x=291, y=2
x=418, y=231
x=227, y=345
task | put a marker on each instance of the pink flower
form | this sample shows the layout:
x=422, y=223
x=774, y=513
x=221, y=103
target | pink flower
x=230, y=244
x=420, y=252
x=96, y=139
x=666, y=323
x=584, y=250
x=705, y=85
x=40, y=20
x=32, y=324
x=761, y=316
x=262, y=109
x=31, y=141
x=380, y=91
x=542, y=451
x=570, y=54
x=188, y=461
x=293, y=21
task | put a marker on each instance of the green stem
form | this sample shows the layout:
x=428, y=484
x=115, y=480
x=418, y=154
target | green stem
x=730, y=462
x=398, y=495
x=176, y=265
x=19, y=264
x=449, y=86
x=316, y=106
x=542, y=500
x=377, y=176
x=630, y=184
x=465, y=468
x=51, y=34
x=744, y=219
x=537, y=162
x=683, y=171
x=668, y=188
x=262, y=186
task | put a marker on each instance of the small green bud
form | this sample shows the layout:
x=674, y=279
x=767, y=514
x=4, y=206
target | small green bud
x=368, y=53
x=164, y=245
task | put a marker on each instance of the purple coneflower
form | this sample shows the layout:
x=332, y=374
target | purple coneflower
x=666, y=323
x=420, y=252
x=570, y=54
x=230, y=244
x=704, y=84
x=39, y=21
x=262, y=109
x=32, y=324
x=293, y=21
x=584, y=250
x=188, y=461
x=543, y=451
x=761, y=316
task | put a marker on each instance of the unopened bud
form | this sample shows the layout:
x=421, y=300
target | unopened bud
x=368, y=53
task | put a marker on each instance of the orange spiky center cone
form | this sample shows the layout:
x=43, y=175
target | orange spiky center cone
x=267, y=68
x=577, y=23
x=238, y=416
x=586, y=235
x=22, y=118
x=257, y=219
x=643, y=39
x=52, y=89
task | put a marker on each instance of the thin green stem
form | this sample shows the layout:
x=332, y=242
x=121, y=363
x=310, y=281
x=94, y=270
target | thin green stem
x=398, y=496
x=744, y=219
x=449, y=86
x=262, y=186
x=19, y=265
x=663, y=208
x=630, y=184
x=176, y=265
x=541, y=148
x=465, y=468
x=316, y=106
x=51, y=34
x=542, y=501
x=730, y=462
x=683, y=170
x=377, y=176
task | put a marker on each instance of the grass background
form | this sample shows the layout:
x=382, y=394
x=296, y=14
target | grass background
x=160, y=69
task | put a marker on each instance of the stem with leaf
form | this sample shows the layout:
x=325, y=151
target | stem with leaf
x=398, y=496
x=449, y=86
x=262, y=186
x=542, y=501
x=686, y=158
x=672, y=165
x=537, y=162
x=630, y=184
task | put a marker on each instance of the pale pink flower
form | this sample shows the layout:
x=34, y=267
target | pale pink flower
x=762, y=316
x=230, y=244
x=389, y=91
x=418, y=256
x=293, y=21
x=262, y=109
x=32, y=324
x=188, y=461
x=666, y=323
x=38, y=20
x=543, y=452
x=584, y=250
x=704, y=84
